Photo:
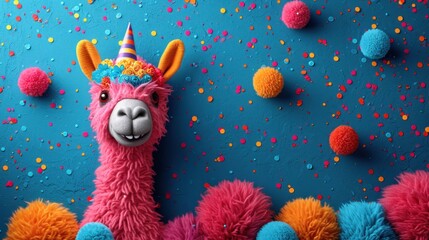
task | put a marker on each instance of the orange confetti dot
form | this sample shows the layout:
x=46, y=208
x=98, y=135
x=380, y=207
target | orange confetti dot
x=419, y=64
x=210, y=99
x=361, y=101
x=339, y=95
x=422, y=38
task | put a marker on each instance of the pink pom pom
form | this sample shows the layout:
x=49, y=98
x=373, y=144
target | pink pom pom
x=296, y=14
x=182, y=228
x=233, y=210
x=33, y=82
x=407, y=205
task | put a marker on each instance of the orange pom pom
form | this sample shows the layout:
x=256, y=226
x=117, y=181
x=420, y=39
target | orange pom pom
x=310, y=219
x=41, y=220
x=344, y=140
x=268, y=82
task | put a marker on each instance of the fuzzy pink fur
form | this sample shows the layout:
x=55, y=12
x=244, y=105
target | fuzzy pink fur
x=407, y=205
x=124, y=182
x=33, y=82
x=182, y=228
x=295, y=14
x=233, y=210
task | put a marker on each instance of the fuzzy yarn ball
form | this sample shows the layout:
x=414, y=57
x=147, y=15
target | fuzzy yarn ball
x=33, y=82
x=364, y=220
x=42, y=220
x=310, y=219
x=233, y=210
x=268, y=82
x=182, y=228
x=276, y=230
x=374, y=44
x=407, y=205
x=295, y=14
x=94, y=230
x=344, y=140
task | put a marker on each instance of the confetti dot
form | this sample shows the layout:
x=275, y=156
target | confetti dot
x=153, y=33
x=30, y=174
x=258, y=143
x=5, y=168
x=222, y=10
x=50, y=39
x=8, y=27
x=69, y=172
x=38, y=160
x=291, y=190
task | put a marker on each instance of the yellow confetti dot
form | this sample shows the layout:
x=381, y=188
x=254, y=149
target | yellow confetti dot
x=397, y=30
x=400, y=18
x=60, y=106
x=5, y=168
x=230, y=144
x=120, y=43
x=336, y=58
x=77, y=90
x=357, y=9
x=381, y=179
x=51, y=147
x=291, y=190
x=94, y=41
x=27, y=139
x=43, y=167
x=222, y=10
x=202, y=42
x=38, y=160
x=336, y=159
x=324, y=104
x=76, y=15
x=83, y=154
x=194, y=118
x=282, y=42
x=258, y=144
x=8, y=27
x=311, y=55
x=405, y=117
x=51, y=39
x=201, y=90
x=15, y=2
x=373, y=26
x=72, y=200
x=85, y=20
x=250, y=102
x=286, y=60
x=153, y=33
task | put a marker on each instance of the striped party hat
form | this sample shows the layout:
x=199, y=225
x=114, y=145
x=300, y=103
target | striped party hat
x=128, y=49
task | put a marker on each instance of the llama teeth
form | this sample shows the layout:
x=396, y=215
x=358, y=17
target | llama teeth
x=137, y=137
x=130, y=137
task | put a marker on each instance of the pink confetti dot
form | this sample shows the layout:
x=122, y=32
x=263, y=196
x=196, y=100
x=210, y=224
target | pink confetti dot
x=204, y=48
x=353, y=72
x=187, y=32
x=376, y=189
x=85, y=134
x=169, y=9
x=238, y=89
x=349, y=81
x=326, y=164
x=274, y=64
x=179, y=23
x=242, y=141
x=254, y=40
x=9, y=183
x=249, y=45
x=242, y=4
x=53, y=105
x=278, y=185
x=294, y=137
x=104, y=18
x=273, y=140
x=252, y=6
x=183, y=145
x=62, y=92
x=403, y=97
x=225, y=33
x=77, y=29
x=198, y=138
x=210, y=31
x=204, y=70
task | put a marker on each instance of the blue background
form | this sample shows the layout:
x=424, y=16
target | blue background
x=294, y=159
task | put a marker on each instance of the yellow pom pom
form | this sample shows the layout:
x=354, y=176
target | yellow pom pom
x=268, y=82
x=310, y=219
x=41, y=220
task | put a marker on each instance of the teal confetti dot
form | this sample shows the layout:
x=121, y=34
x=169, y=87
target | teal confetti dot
x=231, y=172
x=188, y=79
x=309, y=166
x=25, y=184
x=76, y=9
x=22, y=102
x=276, y=158
x=364, y=60
x=119, y=15
x=388, y=134
x=30, y=174
x=2, y=149
x=23, y=128
x=64, y=134
x=311, y=63
x=107, y=32
x=354, y=40
x=354, y=51
x=69, y=171
x=27, y=46
x=331, y=19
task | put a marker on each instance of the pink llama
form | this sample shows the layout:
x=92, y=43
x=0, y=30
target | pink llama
x=128, y=113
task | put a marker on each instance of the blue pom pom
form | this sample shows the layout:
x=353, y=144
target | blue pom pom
x=362, y=220
x=374, y=44
x=277, y=230
x=94, y=231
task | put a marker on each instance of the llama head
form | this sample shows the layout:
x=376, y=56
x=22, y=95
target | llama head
x=129, y=95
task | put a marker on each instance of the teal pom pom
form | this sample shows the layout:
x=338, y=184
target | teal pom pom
x=374, y=44
x=276, y=230
x=362, y=220
x=94, y=231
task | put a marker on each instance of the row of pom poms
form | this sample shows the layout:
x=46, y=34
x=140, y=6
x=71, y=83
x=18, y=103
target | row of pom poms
x=238, y=210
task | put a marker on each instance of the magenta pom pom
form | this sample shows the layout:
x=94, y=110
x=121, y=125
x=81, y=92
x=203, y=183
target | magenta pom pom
x=407, y=205
x=233, y=210
x=296, y=14
x=182, y=228
x=33, y=82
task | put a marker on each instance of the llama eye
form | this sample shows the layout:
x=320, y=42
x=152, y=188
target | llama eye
x=104, y=96
x=155, y=99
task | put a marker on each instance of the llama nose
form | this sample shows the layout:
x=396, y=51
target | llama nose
x=132, y=113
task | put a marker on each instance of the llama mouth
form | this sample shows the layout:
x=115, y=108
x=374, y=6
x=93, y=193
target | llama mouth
x=134, y=137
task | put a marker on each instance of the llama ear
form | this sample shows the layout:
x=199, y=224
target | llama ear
x=88, y=57
x=171, y=58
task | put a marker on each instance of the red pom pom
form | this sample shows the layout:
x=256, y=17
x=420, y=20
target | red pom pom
x=233, y=210
x=344, y=140
x=296, y=14
x=33, y=82
x=406, y=205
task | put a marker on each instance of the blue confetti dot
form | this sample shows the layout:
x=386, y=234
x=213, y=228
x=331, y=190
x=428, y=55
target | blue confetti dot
x=188, y=79
x=76, y=9
x=69, y=171
x=30, y=174
x=309, y=166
